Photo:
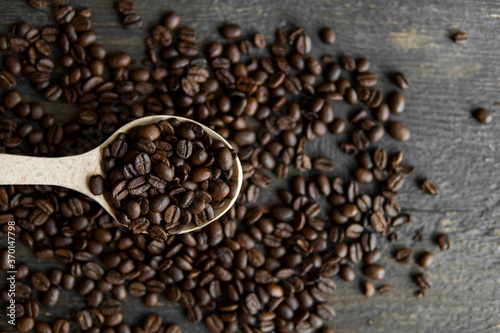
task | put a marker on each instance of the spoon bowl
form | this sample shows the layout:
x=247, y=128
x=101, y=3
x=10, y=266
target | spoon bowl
x=73, y=172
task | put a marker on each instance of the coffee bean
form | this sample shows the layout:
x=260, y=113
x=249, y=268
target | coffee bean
x=401, y=80
x=61, y=326
x=444, y=242
x=482, y=115
x=404, y=256
x=93, y=271
x=323, y=164
x=96, y=184
x=366, y=79
x=347, y=273
x=398, y=131
x=126, y=7
x=363, y=175
x=375, y=272
x=384, y=290
x=38, y=4
x=214, y=323
x=25, y=324
x=354, y=231
x=325, y=311
x=230, y=31
x=423, y=281
x=83, y=320
x=119, y=60
x=338, y=126
x=369, y=289
x=7, y=80
x=348, y=63
x=132, y=22
x=328, y=36
x=12, y=99
x=429, y=187
x=51, y=297
x=40, y=281
x=461, y=38
x=303, y=44
x=396, y=102
x=425, y=259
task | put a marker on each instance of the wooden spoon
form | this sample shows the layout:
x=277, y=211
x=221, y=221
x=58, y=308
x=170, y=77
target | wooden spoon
x=73, y=172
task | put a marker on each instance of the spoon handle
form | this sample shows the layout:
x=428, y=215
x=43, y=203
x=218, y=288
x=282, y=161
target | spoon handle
x=71, y=172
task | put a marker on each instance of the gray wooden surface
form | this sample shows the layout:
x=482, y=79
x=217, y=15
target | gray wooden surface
x=447, y=144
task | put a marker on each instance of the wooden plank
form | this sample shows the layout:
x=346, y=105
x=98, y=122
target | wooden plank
x=461, y=156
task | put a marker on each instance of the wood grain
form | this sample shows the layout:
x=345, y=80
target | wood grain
x=447, y=82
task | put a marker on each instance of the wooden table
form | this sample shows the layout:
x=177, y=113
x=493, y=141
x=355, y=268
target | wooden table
x=447, y=82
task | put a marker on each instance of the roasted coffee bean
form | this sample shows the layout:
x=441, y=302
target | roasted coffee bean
x=430, y=187
x=119, y=60
x=132, y=22
x=96, y=184
x=7, y=80
x=363, y=175
x=375, y=272
x=366, y=79
x=398, y=131
x=25, y=324
x=396, y=102
x=328, y=36
x=83, y=320
x=51, y=297
x=461, y=38
x=230, y=31
x=482, y=115
x=12, y=99
x=126, y=7
x=303, y=44
x=384, y=290
x=38, y=4
x=425, y=259
x=444, y=242
x=347, y=273
x=381, y=113
x=323, y=164
x=401, y=80
x=338, y=126
x=369, y=289
x=423, y=281
x=40, y=281
x=362, y=65
x=214, y=323
x=404, y=256
x=259, y=40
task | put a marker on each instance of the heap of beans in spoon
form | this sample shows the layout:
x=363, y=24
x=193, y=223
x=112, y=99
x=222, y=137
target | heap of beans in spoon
x=164, y=176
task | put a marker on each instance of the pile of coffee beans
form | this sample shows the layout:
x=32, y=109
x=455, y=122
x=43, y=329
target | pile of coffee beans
x=262, y=267
x=166, y=175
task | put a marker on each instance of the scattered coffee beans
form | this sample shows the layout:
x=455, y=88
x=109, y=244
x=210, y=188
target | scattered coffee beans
x=259, y=268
